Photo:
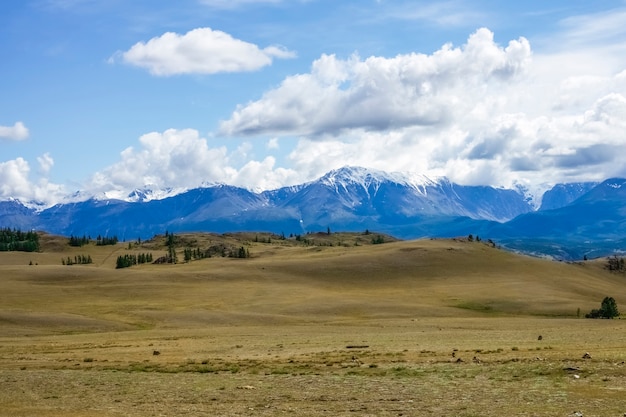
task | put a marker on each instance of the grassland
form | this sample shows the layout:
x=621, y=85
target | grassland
x=334, y=327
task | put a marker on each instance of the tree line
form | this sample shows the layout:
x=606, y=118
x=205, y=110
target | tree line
x=78, y=260
x=103, y=241
x=84, y=240
x=128, y=260
x=17, y=240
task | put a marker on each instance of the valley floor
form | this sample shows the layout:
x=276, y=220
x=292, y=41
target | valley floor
x=377, y=368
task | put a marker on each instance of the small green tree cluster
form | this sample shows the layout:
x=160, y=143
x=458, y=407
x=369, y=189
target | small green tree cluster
x=78, y=241
x=125, y=261
x=194, y=254
x=103, y=241
x=240, y=253
x=170, y=241
x=608, y=310
x=615, y=264
x=378, y=240
x=78, y=260
x=267, y=239
x=16, y=240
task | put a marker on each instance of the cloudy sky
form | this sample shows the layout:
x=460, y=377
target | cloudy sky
x=108, y=96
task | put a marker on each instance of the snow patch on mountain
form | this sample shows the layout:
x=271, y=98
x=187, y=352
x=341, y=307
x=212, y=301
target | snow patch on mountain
x=371, y=178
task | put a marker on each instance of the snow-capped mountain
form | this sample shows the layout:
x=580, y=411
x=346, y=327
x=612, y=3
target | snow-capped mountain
x=356, y=196
x=149, y=193
x=351, y=198
x=594, y=224
x=563, y=194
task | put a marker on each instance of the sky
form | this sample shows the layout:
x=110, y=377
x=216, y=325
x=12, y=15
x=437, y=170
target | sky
x=103, y=97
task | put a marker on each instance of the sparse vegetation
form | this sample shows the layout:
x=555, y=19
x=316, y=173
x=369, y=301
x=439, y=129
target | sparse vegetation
x=128, y=260
x=77, y=260
x=78, y=241
x=378, y=240
x=412, y=328
x=615, y=264
x=103, y=241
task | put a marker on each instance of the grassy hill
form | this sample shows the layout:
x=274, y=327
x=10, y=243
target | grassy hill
x=330, y=325
x=327, y=278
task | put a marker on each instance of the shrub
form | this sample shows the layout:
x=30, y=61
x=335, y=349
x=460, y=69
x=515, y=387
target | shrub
x=608, y=310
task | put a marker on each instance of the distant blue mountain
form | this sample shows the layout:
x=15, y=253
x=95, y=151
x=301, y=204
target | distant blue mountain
x=15, y=215
x=592, y=225
x=563, y=194
x=574, y=219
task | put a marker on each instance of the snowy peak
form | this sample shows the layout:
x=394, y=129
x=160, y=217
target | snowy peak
x=138, y=195
x=366, y=177
x=613, y=189
x=563, y=194
x=148, y=193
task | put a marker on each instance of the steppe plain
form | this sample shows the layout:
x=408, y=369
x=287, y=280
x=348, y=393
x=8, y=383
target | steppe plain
x=335, y=327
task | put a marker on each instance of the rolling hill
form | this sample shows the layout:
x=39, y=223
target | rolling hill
x=329, y=278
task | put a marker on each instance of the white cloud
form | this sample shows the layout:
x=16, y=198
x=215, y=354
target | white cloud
x=383, y=93
x=199, y=51
x=487, y=149
x=14, y=177
x=183, y=159
x=15, y=183
x=16, y=132
x=45, y=163
x=478, y=114
x=272, y=144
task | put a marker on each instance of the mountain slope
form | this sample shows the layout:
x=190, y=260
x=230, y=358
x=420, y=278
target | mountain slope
x=594, y=224
x=574, y=219
x=354, y=197
x=563, y=194
x=350, y=198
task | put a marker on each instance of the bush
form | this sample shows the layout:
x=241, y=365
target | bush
x=608, y=310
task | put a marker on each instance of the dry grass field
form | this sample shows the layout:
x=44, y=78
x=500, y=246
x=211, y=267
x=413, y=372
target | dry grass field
x=335, y=327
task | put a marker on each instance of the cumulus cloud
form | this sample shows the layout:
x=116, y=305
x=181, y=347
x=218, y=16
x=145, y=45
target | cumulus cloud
x=380, y=93
x=499, y=150
x=479, y=114
x=183, y=159
x=14, y=177
x=199, y=51
x=45, y=163
x=272, y=144
x=16, y=132
x=15, y=182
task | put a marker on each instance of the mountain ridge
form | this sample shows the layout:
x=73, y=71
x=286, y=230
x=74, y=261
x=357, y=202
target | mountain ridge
x=353, y=199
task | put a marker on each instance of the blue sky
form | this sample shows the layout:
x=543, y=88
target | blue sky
x=108, y=96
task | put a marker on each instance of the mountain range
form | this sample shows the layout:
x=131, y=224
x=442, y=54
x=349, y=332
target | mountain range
x=573, y=220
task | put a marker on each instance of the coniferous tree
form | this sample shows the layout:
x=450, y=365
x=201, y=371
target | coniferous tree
x=17, y=240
